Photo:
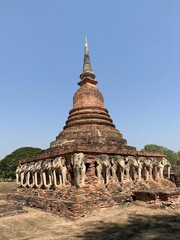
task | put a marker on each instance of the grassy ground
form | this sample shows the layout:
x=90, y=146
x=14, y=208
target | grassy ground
x=6, y=187
x=122, y=223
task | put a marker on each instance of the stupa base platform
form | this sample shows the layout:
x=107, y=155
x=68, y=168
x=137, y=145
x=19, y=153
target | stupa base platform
x=72, y=203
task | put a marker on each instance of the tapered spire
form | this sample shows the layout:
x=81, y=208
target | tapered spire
x=87, y=69
x=87, y=62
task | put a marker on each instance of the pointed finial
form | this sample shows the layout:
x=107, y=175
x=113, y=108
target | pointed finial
x=87, y=62
x=87, y=70
x=86, y=42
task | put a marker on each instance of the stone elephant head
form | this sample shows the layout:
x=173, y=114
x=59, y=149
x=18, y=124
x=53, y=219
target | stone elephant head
x=46, y=165
x=38, y=166
x=19, y=169
x=103, y=159
x=141, y=161
x=30, y=167
x=78, y=161
x=58, y=162
x=131, y=160
x=165, y=162
x=118, y=160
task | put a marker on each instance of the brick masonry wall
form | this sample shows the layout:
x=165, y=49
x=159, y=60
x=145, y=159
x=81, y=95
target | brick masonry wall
x=70, y=202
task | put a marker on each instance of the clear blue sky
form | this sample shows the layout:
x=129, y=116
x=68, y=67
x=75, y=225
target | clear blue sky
x=135, y=53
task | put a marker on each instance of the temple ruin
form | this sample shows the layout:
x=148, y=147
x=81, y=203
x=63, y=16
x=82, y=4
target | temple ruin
x=89, y=164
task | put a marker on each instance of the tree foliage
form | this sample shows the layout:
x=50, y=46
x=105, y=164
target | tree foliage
x=173, y=157
x=9, y=164
x=178, y=156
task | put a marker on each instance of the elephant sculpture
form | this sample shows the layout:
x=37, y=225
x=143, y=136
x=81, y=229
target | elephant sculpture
x=20, y=174
x=19, y=171
x=78, y=161
x=164, y=162
x=103, y=168
x=118, y=168
x=46, y=170
x=59, y=171
x=38, y=179
x=140, y=161
x=156, y=168
x=148, y=164
x=131, y=167
x=23, y=174
x=30, y=181
x=145, y=167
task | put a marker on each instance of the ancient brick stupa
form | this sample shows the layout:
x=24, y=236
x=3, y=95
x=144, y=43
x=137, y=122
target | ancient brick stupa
x=88, y=163
x=89, y=127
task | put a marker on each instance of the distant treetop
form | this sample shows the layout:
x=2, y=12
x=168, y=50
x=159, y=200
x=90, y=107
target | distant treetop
x=9, y=164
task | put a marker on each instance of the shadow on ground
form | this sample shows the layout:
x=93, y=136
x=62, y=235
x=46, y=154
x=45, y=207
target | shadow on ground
x=159, y=227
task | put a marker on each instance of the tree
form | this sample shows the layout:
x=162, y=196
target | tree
x=170, y=155
x=9, y=164
x=178, y=157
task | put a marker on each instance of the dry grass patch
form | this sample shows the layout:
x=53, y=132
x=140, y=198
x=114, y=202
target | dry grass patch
x=6, y=187
x=128, y=222
x=125, y=222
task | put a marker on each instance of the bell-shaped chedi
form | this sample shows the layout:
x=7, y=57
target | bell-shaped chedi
x=89, y=127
